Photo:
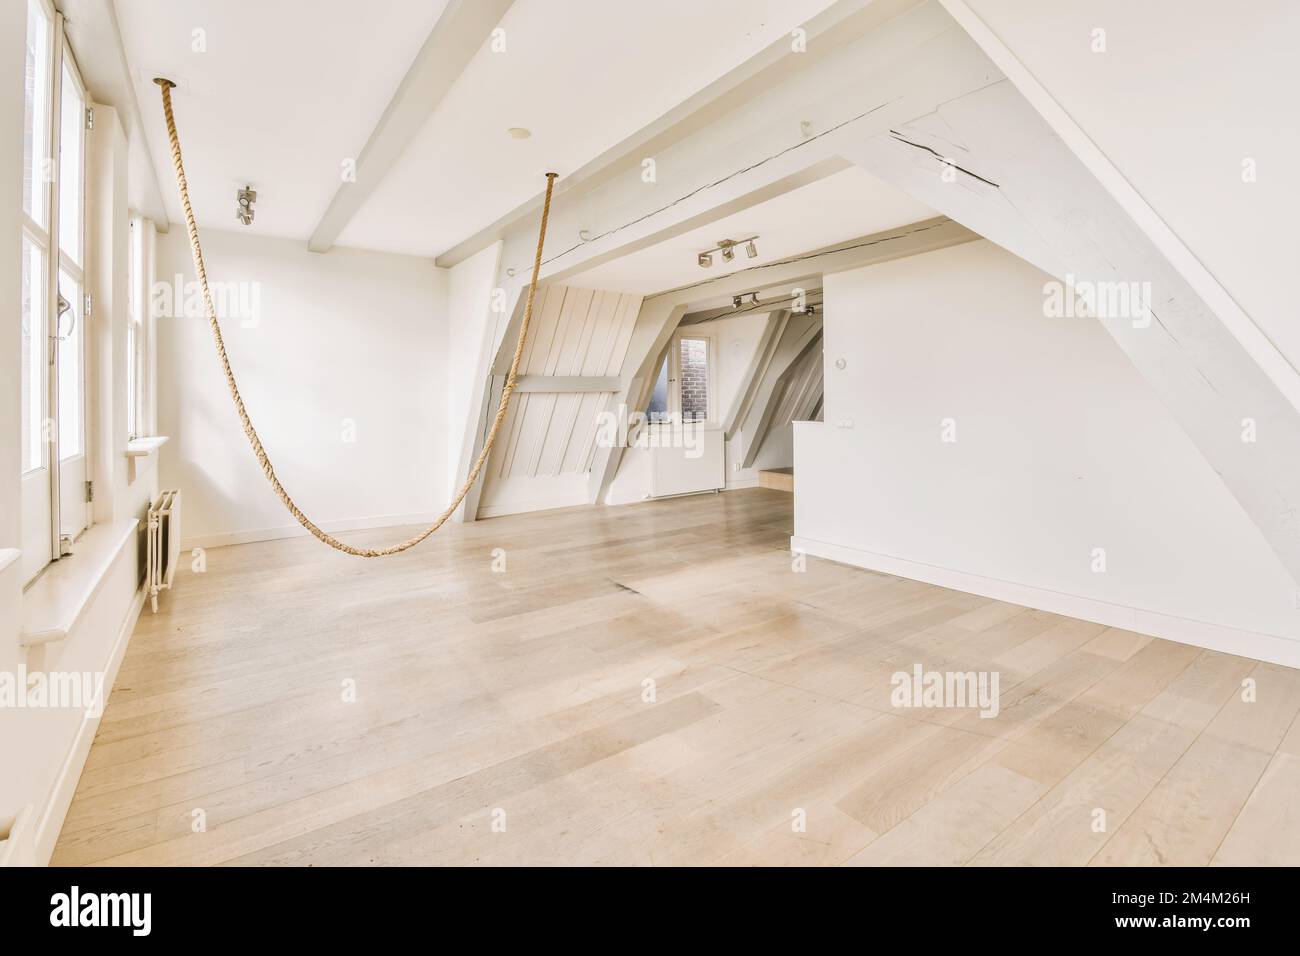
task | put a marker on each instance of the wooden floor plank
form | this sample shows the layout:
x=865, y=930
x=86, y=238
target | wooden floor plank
x=660, y=684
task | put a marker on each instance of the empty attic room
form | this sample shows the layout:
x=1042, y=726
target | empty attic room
x=517, y=433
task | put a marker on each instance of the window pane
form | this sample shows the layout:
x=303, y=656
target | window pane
x=36, y=116
x=71, y=368
x=132, y=335
x=694, y=384
x=71, y=125
x=34, y=351
x=657, y=411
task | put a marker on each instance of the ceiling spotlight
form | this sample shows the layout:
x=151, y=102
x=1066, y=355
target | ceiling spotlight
x=244, y=200
x=518, y=132
x=753, y=299
x=736, y=300
x=728, y=249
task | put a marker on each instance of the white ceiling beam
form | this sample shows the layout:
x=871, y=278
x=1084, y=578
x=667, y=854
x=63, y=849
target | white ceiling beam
x=902, y=70
x=455, y=39
x=837, y=25
x=1047, y=199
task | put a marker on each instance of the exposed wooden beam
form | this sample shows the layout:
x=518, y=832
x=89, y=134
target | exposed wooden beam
x=1050, y=209
x=455, y=39
x=567, y=383
x=832, y=28
x=801, y=371
x=661, y=314
x=772, y=332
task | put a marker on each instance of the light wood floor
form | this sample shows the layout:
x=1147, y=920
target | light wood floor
x=521, y=698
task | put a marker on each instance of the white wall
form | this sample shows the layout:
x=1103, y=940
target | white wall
x=347, y=345
x=471, y=341
x=1061, y=448
x=42, y=750
x=1181, y=96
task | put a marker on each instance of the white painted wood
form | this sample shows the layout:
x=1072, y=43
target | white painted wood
x=839, y=24
x=1047, y=199
x=904, y=68
x=772, y=330
x=51, y=816
x=455, y=39
x=566, y=383
x=144, y=447
x=576, y=347
x=676, y=469
x=58, y=601
x=1230, y=100
x=661, y=314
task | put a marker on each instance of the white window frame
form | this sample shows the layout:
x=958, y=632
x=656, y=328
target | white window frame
x=41, y=532
x=73, y=513
x=675, y=375
x=39, y=509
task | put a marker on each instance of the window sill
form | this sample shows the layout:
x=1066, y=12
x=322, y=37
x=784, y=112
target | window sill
x=144, y=447
x=58, y=599
x=141, y=454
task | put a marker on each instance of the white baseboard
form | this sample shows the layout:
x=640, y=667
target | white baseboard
x=223, y=538
x=742, y=483
x=527, y=506
x=1214, y=637
x=65, y=787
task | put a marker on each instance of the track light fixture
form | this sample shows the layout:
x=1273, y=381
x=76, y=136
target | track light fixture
x=244, y=200
x=728, y=249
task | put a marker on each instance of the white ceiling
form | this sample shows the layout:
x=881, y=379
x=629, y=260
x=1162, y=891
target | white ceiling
x=842, y=206
x=582, y=75
x=286, y=90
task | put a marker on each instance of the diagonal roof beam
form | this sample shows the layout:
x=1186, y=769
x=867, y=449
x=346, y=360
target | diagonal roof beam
x=836, y=26
x=455, y=39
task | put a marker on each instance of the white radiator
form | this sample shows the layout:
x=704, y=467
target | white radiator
x=164, y=548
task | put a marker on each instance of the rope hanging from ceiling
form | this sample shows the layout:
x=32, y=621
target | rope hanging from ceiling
x=259, y=450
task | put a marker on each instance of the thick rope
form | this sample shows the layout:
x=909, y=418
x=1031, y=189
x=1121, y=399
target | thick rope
x=256, y=442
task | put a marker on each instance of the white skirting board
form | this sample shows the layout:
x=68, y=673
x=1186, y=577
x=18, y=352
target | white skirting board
x=223, y=538
x=53, y=814
x=1214, y=637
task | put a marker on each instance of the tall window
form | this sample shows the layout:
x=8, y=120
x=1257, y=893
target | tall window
x=37, y=348
x=136, y=340
x=52, y=311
